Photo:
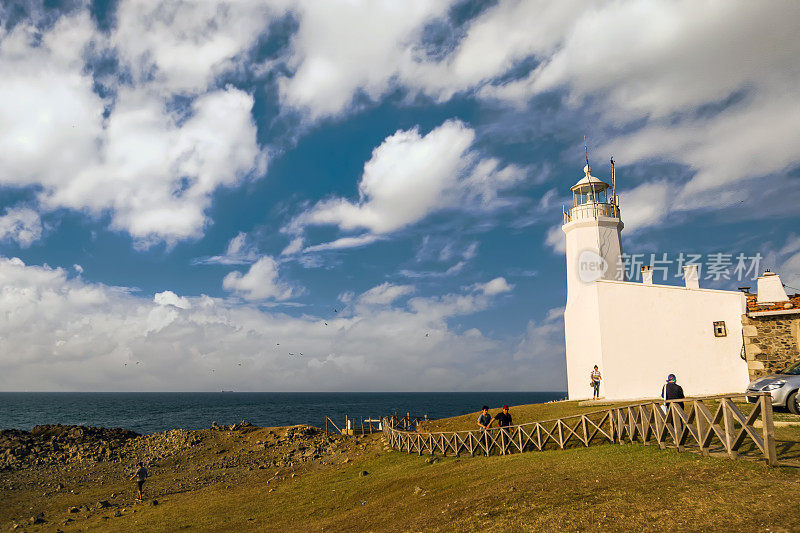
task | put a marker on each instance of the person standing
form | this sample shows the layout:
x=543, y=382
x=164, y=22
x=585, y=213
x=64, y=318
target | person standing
x=503, y=417
x=672, y=391
x=140, y=475
x=595, y=377
x=485, y=420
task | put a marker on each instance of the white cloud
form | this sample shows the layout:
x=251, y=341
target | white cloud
x=374, y=47
x=442, y=250
x=788, y=263
x=240, y=251
x=182, y=46
x=711, y=84
x=294, y=246
x=555, y=239
x=385, y=293
x=152, y=168
x=55, y=327
x=493, y=44
x=21, y=224
x=495, y=286
x=644, y=205
x=261, y=282
x=345, y=47
x=407, y=177
x=708, y=86
x=543, y=345
x=344, y=242
x=410, y=176
x=170, y=298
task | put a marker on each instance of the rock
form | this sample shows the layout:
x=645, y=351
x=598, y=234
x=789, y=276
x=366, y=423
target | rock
x=73, y=510
x=38, y=519
x=363, y=473
x=154, y=502
x=418, y=490
x=102, y=504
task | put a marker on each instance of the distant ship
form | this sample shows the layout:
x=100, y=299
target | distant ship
x=226, y=391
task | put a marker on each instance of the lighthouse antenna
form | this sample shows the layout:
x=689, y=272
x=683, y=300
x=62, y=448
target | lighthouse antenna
x=613, y=186
x=586, y=150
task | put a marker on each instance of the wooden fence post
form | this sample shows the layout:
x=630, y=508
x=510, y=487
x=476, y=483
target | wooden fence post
x=768, y=430
x=730, y=433
x=701, y=428
x=585, y=430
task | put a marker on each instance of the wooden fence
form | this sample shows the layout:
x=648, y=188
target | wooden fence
x=710, y=423
x=362, y=426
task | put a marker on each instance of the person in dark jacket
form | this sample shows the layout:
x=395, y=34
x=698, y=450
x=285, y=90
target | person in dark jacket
x=672, y=391
x=503, y=417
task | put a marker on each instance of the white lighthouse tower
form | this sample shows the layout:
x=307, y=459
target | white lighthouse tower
x=594, y=249
x=638, y=332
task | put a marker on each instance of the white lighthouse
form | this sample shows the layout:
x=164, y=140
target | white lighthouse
x=638, y=332
x=594, y=250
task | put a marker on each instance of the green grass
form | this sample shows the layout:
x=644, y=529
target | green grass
x=608, y=487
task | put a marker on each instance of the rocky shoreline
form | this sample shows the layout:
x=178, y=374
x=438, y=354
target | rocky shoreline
x=86, y=469
x=58, y=444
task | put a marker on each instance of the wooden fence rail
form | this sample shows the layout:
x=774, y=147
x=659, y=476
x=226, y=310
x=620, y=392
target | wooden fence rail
x=706, y=423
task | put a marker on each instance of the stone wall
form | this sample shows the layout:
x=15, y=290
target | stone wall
x=770, y=343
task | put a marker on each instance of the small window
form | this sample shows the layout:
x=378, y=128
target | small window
x=719, y=329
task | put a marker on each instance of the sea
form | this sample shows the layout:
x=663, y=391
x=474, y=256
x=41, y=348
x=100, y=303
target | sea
x=154, y=412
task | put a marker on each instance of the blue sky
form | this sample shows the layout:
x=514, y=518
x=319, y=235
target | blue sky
x=194, y=194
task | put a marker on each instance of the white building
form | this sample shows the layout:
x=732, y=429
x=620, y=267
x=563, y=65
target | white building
x=638, y=333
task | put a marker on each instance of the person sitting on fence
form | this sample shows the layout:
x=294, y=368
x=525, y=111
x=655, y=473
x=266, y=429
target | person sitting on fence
x=503, y=417
x=485, y=420
x=672, y=391
x=595, y=383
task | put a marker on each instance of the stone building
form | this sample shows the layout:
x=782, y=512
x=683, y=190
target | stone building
x=771, y=327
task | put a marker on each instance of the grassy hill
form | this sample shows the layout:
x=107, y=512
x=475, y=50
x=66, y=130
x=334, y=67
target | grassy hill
x=229, y=481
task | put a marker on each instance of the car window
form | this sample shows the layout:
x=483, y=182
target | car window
x=793, y=369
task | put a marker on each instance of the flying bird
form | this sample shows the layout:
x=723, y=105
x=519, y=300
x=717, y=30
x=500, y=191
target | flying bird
x=326, y=323
x=335, y=310
x=290, y=353
x=427, y=334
